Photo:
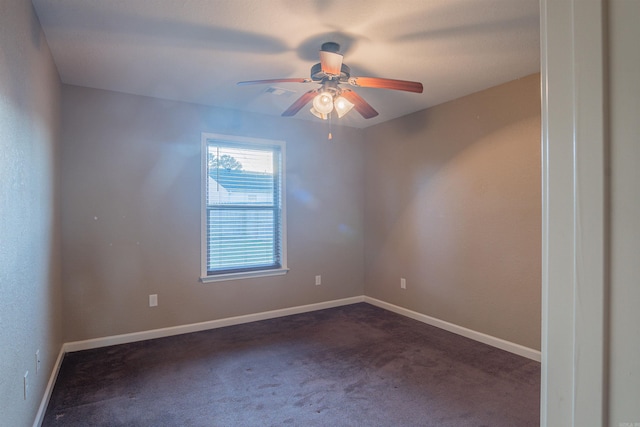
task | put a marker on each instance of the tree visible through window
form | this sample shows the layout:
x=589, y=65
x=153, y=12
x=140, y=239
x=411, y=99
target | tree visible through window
x=243, y=206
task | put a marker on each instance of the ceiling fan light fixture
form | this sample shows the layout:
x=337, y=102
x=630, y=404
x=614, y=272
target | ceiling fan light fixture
x=342, y=106
x=323, y=102
x=330, y=73
x=318, y=114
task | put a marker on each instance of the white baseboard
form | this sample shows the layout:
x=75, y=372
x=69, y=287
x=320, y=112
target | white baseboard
x=203, y=326
x=219, y=323
x=47, y=391
x=518, y=349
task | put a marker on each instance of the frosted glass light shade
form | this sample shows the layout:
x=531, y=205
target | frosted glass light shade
x=323, y=103
x=343, y=106
x=318, y=114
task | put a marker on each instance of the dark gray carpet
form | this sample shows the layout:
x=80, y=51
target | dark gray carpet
x=356, y=365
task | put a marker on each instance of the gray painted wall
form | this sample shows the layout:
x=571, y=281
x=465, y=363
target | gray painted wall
x=453, y=205
x=30, y=314
x=624, y=359
x=131, y=214
x=471, y=168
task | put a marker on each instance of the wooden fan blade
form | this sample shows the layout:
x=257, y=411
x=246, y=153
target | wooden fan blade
x=330, y=62
x=386, y=84
x=359, y=104
x=299, y=103
x=268, y=81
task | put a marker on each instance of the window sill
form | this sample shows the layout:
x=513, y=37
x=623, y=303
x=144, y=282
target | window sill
x=244, y=275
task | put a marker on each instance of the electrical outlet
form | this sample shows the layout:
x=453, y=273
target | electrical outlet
x=153, y=300
x=26, y=385
x=37, y=361
x=403, y=283
x=318, y=280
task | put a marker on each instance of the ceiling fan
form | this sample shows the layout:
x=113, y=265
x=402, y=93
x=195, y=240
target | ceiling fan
x=330, y=72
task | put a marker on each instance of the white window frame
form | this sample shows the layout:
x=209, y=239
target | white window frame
x=204, y=276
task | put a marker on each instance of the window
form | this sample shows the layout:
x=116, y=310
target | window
x=243, y=226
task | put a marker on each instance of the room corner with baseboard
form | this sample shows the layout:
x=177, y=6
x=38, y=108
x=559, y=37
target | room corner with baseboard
x=72, y=347
x=328, y=366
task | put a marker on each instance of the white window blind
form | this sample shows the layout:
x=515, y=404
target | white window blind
x=243, y=207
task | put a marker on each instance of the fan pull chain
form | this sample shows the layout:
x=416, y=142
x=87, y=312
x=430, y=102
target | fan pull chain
x=330, y=136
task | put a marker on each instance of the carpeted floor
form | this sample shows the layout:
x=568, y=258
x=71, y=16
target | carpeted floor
x=356, y=365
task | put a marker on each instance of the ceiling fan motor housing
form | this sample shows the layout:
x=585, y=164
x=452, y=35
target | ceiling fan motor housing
x=317, y=75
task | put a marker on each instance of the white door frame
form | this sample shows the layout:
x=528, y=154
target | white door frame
x=574, y=193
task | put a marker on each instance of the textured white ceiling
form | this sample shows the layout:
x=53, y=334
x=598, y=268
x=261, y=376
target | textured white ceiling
x=196, y=50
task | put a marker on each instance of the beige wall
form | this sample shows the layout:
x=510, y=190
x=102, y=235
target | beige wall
x=453, y=205
x=30, y=303
x=131, y=214
x=624, y=309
